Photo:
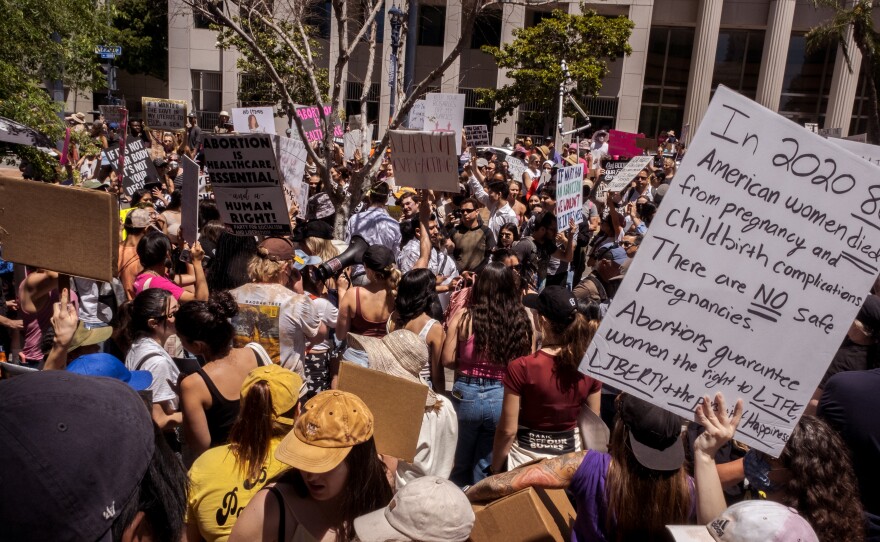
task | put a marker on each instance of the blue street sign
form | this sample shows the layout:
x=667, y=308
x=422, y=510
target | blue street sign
x=108, y=51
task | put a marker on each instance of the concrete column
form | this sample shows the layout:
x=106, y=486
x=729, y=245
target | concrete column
x=773, y=58
x=451, y=34
x=633, y=77
x=702, y=63
x=513, y=16
x=180, y=26
x=844, y=85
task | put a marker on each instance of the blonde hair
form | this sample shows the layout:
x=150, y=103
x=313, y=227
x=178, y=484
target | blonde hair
x=262, y=269
x=322, y=248
x=391, y=277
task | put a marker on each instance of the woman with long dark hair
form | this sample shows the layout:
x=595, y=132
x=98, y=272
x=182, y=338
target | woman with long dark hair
x=492, y=329
x=417, y=309
x=148, y=322
x=336, y=476
x=210, y=397
x=224, y=479
x=508, y=235
x=630, y=493
x=544, y=392
x=154, y=251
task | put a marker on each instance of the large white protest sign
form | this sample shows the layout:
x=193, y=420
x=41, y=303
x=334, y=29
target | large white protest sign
x=569, y=195
x=253, y=120
x=292, y=156
x=423, y=159
x=416, y=118
x=189, y=206
x=138, y=169
x=750, y=274
x=477, y=134
x=241, y=160
x=516, y=168
x=253, y=211
x=869, y=152
x=162, y=114
x=445, y=113
x=628, y=173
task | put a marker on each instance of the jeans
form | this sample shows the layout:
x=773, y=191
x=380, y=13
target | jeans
x=478, y=406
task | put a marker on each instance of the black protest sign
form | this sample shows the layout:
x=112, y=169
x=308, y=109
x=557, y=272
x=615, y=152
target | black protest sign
x=612, y=168
x=138, y=170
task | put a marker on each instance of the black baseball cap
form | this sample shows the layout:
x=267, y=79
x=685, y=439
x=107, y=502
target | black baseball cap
x=555, y=303
x=313, y=228
x=654, y=434
x=74, y=450
x=869, y=314
x=378, y=257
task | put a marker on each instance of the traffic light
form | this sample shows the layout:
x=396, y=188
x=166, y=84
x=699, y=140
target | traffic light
x=109, y=71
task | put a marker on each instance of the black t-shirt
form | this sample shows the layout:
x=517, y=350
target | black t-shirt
x=850, y=402
x=849, y=357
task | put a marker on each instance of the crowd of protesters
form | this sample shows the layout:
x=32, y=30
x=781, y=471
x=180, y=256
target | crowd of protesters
x=234, y=345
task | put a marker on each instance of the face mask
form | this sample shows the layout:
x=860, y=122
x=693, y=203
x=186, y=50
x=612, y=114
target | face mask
x=757, y=471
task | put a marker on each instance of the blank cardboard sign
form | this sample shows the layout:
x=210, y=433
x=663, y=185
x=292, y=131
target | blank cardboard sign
x=529, y=515
x=70, y=230
x=398, y=407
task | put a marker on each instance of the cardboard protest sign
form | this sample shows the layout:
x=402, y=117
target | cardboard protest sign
x=189, y=206
x=626, y=174
x=445, y=113
x=35, y=228
x=398, y=407
x=246, y=183
x=162, y=114
x=516, y=168
x=750, y=274
x=292, y=156
x=476, y=135
x=423, y=159
x=871, y=153
x=416, y=118
x=569, y=195
x=138, y=170
x=311, y=122
x=623, y=143
x=253, y=120
x=112, y=113
x=529, y=514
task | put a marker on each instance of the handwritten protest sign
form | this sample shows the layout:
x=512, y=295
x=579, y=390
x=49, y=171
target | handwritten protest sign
x=516, y=168
x=189, y=219
x=423, y=159
x=292, y=156
x=246, y=183
x=356, y=137
x=138, y=170
x=871, y=153
x=112, y=113
x=632, y=168
x=476, y=135
x=253, y=120
x=623, y=143
x=311, y=122
x=569, y=195
x=162, y=114
x=750, y=275
x=253, y=211
x=445, y=113
x=416, y=118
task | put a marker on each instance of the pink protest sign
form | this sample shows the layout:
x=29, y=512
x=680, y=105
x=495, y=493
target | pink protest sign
x=311, y=122
x=623, y=143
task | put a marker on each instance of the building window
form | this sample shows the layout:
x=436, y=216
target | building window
x=476, y=114
x=666, y=79
x=861, y=106
x=807, y=82
x=200, y=20
x=738, y=60
x=534, y=17
x=432, y=25
x=319, y=17
x=207, y=91
x=487, y=29
x=353, y=103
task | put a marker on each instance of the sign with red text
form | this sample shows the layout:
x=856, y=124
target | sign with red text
x=424, y=159
x=444, y=112
x=749, y=276
x=311, y=122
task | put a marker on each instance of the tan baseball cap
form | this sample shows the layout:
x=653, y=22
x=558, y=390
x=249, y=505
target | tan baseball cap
x=332, y=423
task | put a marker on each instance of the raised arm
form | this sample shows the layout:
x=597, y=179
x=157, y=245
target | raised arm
x=555, y=473
x=719, y=430
x=424, y=236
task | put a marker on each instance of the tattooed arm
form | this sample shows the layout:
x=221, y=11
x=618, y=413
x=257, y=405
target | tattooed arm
x=553, y=473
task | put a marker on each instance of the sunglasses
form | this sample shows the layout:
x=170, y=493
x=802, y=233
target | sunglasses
x=468, y=210
x=642, y=177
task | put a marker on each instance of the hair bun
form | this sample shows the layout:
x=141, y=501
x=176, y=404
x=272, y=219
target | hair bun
x=222, y=304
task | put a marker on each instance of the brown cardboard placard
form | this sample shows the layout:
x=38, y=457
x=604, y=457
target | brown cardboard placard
x=647, y=143
x=398, y=407
x=533, y=515
x=70, y=230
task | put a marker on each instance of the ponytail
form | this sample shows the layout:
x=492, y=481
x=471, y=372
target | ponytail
x=391, y=276
x=253, y=430
x=575, y=338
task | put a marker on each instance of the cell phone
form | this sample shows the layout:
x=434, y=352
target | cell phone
x=186, y=255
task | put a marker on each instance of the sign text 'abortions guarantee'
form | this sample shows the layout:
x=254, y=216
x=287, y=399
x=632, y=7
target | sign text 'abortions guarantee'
x=750, y=275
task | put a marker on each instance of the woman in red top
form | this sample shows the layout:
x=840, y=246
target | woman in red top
x=544, y=391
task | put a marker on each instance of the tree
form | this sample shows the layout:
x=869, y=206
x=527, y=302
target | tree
x=287, y=40
x=587, y=42
x=141, y=28
x=855, y=17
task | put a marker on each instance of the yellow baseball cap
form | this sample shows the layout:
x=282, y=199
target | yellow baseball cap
x=332, y=423
x=284, y=385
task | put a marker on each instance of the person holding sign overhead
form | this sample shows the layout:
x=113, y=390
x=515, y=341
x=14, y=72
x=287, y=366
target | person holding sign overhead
x=495, y=199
